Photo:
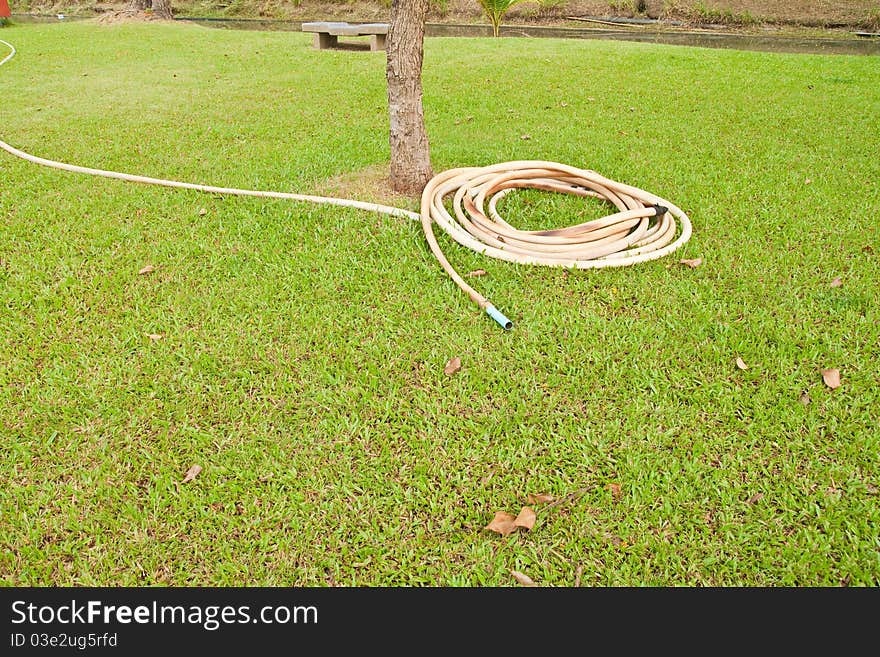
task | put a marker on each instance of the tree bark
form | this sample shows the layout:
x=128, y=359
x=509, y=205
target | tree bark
x=410, y=152
x=138, y=5
x=162, y=9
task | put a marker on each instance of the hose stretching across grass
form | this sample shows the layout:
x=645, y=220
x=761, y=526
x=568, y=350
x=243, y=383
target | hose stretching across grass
x=643, y=228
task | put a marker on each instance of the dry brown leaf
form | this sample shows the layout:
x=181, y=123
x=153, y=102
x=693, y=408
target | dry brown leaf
x=540, y=498
x=615, y=491
x=526, y=518
x=154, y=336
x=503, y=523
x=475, y=273
x=741, y=364
x=804, y=399
x=452, y=366
x=808, y=181
x=831, y=377
x=757, y=497
x=867, y=249
x=872, y=489
x=837, y=282
x=525, y=137
x=202, y=212
x=522, y=578
x=146, y=270
x=191, y=474
x=692, y=263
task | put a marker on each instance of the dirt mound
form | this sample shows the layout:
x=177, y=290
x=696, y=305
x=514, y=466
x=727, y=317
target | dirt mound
x=371, y=184
x=117, y=16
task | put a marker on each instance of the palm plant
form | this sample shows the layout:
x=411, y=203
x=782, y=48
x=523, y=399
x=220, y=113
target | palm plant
x=495, y=10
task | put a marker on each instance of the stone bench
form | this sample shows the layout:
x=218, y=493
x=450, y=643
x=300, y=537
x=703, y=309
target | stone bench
x=327, y=34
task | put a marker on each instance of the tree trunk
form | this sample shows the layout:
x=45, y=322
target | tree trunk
x=138, y=5
x=162, y=9
x=410, y=153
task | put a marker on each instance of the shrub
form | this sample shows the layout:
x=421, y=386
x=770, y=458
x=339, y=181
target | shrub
x=495, y=10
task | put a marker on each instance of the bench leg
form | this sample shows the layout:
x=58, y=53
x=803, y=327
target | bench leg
x=377, y=42
x=324, y=40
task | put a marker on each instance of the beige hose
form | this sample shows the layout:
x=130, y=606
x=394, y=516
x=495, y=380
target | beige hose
x=642, y=229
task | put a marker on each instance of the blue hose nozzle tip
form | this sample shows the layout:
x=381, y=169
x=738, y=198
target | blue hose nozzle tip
x=495, y=314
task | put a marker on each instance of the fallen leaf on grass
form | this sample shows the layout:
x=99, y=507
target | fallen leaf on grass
x=522, y=578
x=867, y=249
x=475, y=273
x=741, y=364
x=831, y=377
x=202, y=212
x=452, y=366
x=757, y=497
x=191, y=474
x=837, y=282
x=526, y=518
x=540, y=498
x=154, y=336
x=615, y=491
x=503, y=523
x=616, y=541
x=692, y=263
x=149, y=269
x=804, y=399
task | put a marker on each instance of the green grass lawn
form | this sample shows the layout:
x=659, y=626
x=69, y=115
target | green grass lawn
x=301, y=363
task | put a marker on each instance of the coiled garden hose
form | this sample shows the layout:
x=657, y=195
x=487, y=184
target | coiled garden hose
x=644, y=227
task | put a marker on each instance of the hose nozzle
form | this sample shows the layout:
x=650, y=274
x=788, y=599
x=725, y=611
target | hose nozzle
x=495, y=314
